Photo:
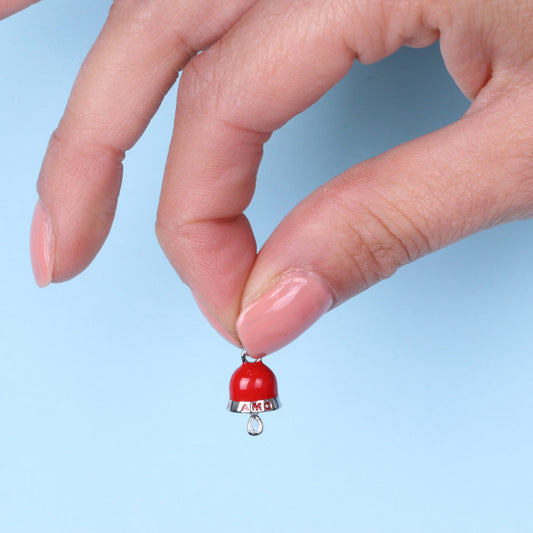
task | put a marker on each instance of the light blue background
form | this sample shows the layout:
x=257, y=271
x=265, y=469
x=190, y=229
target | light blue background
x=409, y=409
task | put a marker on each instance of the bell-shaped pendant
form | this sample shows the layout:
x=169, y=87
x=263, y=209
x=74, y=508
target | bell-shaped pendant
x=253, y=389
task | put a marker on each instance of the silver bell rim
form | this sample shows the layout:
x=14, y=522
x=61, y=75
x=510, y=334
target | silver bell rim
x=258, y=406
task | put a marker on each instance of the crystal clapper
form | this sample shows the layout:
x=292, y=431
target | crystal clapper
x=253, y=389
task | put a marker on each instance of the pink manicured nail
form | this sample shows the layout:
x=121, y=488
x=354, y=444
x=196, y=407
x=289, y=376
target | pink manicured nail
x=216, y=326
x=283, y=313
x=41, y=245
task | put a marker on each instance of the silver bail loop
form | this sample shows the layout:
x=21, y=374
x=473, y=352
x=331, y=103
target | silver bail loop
x=245, y=356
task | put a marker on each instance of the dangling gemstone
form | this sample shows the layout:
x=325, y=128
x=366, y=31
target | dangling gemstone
x=255, y=425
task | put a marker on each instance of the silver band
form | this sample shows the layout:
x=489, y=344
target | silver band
x=259, y=406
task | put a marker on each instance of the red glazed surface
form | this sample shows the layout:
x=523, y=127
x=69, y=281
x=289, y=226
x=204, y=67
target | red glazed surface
x=252, y=382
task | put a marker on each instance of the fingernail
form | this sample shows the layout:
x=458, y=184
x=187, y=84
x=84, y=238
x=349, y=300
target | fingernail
x=41, y=245
x=283, y=313
x=216, y=325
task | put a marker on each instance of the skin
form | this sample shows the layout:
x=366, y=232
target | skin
x=264, y=62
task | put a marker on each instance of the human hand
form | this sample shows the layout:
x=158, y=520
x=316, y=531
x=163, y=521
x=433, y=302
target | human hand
x=265, y=62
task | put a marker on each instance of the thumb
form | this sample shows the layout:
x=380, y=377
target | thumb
x=385, y=212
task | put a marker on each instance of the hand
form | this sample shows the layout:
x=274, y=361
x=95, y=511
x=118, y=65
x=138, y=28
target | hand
x=264, y=62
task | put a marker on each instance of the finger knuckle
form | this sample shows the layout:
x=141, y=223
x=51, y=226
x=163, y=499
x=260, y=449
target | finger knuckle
x=196, y=86
x=153, y=22
x=518, y=163
x=139, y=15
x=374, y=244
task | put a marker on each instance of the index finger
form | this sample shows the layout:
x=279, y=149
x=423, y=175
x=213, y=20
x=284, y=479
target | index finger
x=279, y=59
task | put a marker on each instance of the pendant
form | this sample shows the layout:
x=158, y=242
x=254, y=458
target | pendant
x=253, y=389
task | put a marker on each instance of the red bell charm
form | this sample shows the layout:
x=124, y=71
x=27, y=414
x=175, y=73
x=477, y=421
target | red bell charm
x=253, y=389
